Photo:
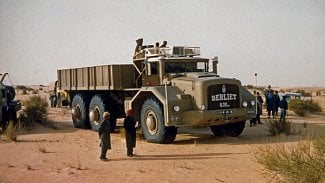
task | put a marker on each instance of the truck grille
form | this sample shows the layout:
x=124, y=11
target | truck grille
x=223, y=96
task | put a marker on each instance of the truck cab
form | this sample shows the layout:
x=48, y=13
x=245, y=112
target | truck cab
x=177, y=84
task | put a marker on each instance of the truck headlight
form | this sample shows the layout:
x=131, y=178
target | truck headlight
x=202, y=107
x=177, y=108
x=245, y=104
x=252, y=102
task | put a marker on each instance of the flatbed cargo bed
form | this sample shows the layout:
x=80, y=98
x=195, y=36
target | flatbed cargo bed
x=105, y=77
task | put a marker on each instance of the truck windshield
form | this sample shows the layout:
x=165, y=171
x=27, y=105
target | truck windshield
x=176, y=67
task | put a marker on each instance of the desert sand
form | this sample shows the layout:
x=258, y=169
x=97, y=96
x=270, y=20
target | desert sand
x=67, y=154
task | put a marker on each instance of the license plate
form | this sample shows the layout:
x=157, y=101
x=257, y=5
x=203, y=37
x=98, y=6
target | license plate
x=225, y=112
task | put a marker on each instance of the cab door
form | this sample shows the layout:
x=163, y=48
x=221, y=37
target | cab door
x=151, y=77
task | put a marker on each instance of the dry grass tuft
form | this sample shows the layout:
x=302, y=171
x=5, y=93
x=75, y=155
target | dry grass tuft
x=278, y=127
x=42, y=147
x=77, y=165
x=36, y=111
x=304, y=162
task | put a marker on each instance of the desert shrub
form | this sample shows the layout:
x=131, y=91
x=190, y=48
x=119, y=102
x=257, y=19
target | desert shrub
x=36, y=110
x=21, y=87
x=24, y=92
x=300, y=107
x=260, y=88
x=249, y=86
x=297, y=106
x=34, y=91
x=304, y=162
x=318, y=93
x=313, y=106
x=277, y=127
x=304, y=93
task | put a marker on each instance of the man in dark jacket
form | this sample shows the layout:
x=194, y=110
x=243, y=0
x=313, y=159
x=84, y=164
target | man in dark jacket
x=277, y=102
x=259, y=107
x=270, y=104
x=104, y=135
x=284, y=107
x=130, y=132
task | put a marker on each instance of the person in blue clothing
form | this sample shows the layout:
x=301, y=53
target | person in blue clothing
x=284, y=107
x=270, y=103
x=277, y=102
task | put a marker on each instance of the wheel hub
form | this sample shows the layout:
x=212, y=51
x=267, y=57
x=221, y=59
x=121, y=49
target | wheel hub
x=151, y=122
x=76, y=112
x=94, y=115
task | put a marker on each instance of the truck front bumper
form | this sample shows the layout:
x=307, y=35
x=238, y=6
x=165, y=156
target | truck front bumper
x=207, y=118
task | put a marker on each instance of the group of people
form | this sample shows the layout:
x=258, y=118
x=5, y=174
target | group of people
x=139, y=46
x=273, y=103
x=104, y=134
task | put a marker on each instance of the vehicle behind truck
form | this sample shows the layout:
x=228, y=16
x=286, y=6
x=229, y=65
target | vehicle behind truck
x=8, y=105
x=166, y=88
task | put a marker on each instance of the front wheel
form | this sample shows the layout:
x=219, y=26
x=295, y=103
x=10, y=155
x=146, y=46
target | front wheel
x=218, y=130
x=152, y=123
x=235, y=129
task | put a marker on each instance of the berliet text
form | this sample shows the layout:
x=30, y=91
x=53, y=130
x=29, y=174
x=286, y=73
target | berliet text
x=223, y=97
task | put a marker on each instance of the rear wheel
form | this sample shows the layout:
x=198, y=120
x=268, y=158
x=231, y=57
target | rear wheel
x=152, y=123
x=79, y=111
x=235, y=129
x=96, y=109
x=98, y=105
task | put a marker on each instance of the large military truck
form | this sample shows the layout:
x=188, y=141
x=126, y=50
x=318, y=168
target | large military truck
x=8, y=105
x=166, y=87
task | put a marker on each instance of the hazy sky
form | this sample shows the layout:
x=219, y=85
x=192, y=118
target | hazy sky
x=283, y=41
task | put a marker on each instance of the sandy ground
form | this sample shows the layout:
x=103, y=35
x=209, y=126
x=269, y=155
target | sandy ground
x=67, y=154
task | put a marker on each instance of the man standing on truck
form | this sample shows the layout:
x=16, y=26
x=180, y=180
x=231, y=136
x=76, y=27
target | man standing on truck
x=130, y=132
x=164, y=44
x=138, y=47
x=104, y=135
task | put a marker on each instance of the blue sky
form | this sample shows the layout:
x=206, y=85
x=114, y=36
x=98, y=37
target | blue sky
x=282, y=41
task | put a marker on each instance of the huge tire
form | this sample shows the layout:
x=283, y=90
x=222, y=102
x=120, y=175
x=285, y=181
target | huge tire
x=79, y=112
x=98, y=105
x=152, y=123
x=96, y=109
x=218, y=130
x=235, y=129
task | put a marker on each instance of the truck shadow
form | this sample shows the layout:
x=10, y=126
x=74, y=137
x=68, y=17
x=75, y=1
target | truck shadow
x=178, y=156
x=56, y=127
x=303, y=129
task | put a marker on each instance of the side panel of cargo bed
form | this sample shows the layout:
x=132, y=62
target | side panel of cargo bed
x=105, y=77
